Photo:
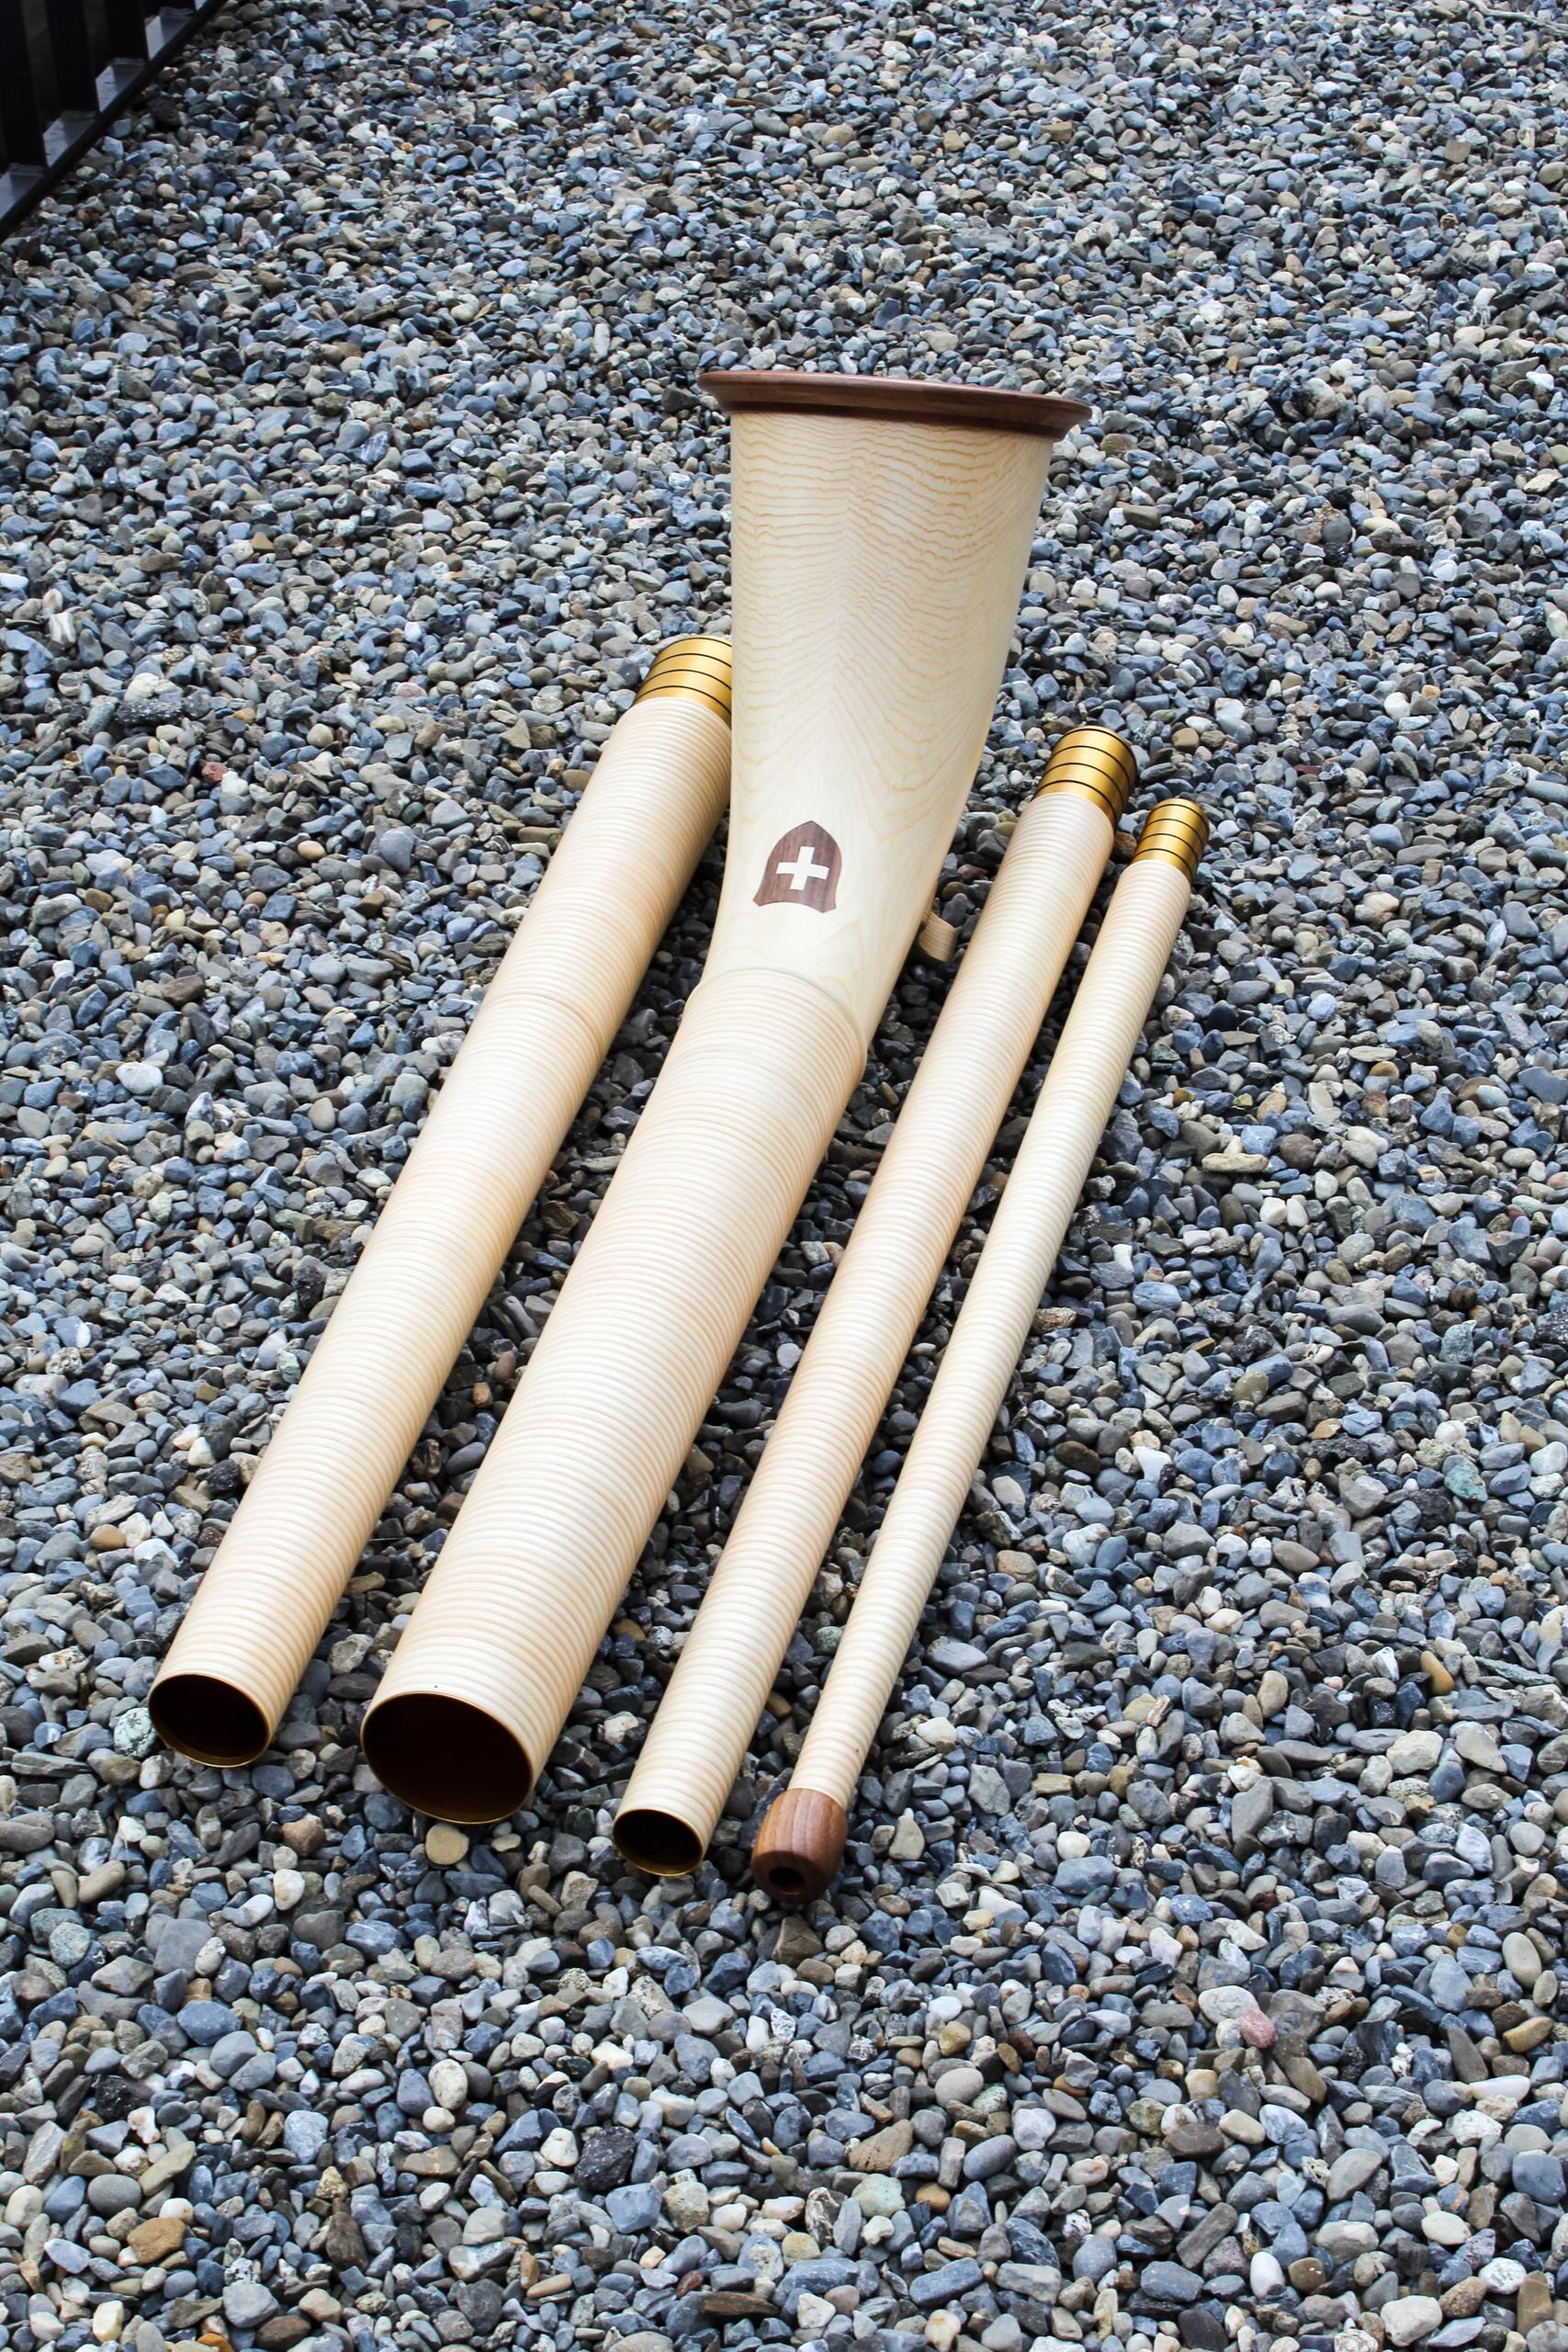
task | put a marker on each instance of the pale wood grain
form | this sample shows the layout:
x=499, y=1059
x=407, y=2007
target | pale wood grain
x=877, y=566
x=864, y=1329
x=1064, y=1132
x=563, y=988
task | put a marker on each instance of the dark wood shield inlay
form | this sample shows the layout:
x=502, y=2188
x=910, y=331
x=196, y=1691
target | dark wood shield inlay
x=802, y=870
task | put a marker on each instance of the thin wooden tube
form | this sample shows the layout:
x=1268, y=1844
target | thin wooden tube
x=801, y=1841
x=562, y=990
x=877, y=562
x=864, y=1329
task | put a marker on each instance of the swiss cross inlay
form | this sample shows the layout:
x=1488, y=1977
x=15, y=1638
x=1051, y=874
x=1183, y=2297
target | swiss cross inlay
x=801, y=870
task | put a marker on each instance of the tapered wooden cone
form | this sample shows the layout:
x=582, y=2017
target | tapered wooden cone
x=1053, y=1160
x=881, y=534
x=866, y=1324
x=564, y=986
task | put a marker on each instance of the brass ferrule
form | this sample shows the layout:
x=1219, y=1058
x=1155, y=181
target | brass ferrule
x=1096, y=760
x=698, y=667
x=1176, y=830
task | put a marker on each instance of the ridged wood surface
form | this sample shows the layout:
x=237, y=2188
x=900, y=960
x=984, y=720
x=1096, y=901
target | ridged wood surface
x=619, y=1379
x=876, y=576
x=1064, y=1132
x=876, y=573
x=864, y=1328
x=562, y=990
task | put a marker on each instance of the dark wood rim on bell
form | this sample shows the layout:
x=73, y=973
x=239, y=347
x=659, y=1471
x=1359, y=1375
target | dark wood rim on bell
x=799, y=1846
x=901, y=399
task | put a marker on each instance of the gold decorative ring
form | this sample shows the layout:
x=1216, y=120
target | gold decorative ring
x=696, y=667
x=1176, y=830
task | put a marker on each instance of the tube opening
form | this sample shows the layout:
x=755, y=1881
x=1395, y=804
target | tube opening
x=657, y=1842
x=209, y=1719
x=446, y=1758
x=799, y=1846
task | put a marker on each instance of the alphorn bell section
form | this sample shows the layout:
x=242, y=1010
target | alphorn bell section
x=881, y=534
x=801, y=1842
x=868, y=1321
x=548, y=1017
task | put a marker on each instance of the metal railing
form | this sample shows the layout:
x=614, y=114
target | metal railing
x=67, y=68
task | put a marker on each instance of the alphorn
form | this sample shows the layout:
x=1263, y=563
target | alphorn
x=881, y=533
x=801, y=1841
x=563, y=988
x=869, y=1319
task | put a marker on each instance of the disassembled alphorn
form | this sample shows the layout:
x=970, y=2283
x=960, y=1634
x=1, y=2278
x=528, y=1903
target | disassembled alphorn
x=881, y=534
x=548, y=1017
x=871, y=1312
x=802, y=1839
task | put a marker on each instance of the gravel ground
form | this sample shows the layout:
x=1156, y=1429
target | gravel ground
x=1194, y=1974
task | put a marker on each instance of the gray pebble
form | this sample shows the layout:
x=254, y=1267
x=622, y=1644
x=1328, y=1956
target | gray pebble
x=1198, y=1897
x=246, y=2302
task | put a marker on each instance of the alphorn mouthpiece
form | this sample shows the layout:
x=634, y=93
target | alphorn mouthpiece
x=799, y=1846
x=1175, y=830
x=698, y=667
x=1096, y=760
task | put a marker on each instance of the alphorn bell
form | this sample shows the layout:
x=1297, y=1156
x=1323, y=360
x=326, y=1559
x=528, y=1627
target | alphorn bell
x=563, y=988
x=866, y=1324
x=801, y=1841
x=881, y=532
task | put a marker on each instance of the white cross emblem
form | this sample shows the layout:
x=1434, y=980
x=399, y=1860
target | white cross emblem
x=802, y=870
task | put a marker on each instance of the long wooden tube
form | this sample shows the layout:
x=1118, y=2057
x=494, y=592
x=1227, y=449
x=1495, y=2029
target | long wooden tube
x=801, y=1841
x=869, y=1319
x=877, y=562
x=563, y=988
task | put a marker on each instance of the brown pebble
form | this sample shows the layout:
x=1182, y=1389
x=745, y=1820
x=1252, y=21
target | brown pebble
x=1535, y=2303
x=444, y=1845
x=155, y=2240
x=1464, y=2298
x=1301, y=2072
x=108, y=1878
x=26, y=1833
x=282, y=2331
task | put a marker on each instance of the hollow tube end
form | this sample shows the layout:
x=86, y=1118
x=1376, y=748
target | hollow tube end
x=799, y=1846
x=1176, y=830
x=211, y=1721
x=1096, y=760
x=446, y=1758
x=696, y=667
x=655, y=1841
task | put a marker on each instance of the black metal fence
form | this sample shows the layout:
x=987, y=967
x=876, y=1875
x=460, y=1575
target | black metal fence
x=67, y=67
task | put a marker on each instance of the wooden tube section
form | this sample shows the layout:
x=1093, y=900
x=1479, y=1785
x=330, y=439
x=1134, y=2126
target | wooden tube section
x=801, y=1841
x=877, y=563
x=869, y=1319
x=562, y=990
